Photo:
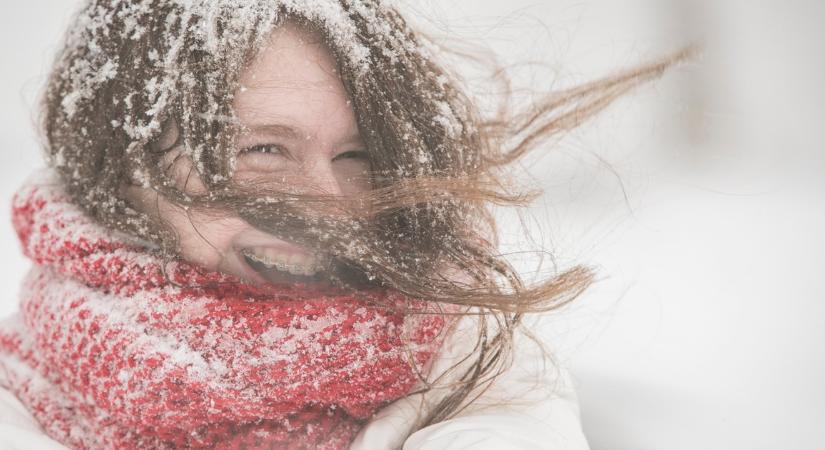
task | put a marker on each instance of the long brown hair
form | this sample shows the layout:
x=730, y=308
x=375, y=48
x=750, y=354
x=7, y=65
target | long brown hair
x=131, y=68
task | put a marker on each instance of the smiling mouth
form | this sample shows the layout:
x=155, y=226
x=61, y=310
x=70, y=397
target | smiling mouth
x=279, y=268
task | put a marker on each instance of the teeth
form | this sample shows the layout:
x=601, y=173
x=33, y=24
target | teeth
x=296, y=264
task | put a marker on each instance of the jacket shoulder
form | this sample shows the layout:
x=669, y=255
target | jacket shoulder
x=530, y=406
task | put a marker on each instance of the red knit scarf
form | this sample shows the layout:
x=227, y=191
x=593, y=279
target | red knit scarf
x=107, y=353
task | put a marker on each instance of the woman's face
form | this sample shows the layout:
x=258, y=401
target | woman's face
x=299, y=133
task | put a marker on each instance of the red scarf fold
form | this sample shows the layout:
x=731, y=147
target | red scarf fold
x=107, y=352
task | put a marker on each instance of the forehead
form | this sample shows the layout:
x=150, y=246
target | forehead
x=294, y=79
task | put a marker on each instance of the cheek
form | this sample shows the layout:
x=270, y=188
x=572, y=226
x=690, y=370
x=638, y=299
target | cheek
x=206, y=240
x=353, y=176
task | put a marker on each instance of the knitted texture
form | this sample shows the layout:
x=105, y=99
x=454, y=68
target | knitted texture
x=108, y=352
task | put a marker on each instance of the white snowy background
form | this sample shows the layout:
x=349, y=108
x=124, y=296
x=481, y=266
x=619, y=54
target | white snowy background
x=699, y=199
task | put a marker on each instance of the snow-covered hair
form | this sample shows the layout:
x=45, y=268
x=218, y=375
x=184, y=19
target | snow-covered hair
x=132, y=68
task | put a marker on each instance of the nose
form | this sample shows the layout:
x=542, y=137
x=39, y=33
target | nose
x=320, y=177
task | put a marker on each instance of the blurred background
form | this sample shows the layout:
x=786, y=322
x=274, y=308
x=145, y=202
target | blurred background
x=698, y=198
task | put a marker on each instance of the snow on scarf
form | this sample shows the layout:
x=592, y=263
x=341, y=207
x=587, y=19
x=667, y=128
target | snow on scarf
x=106, y=352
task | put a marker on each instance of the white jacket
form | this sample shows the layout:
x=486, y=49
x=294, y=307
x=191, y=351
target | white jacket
x=528, y=408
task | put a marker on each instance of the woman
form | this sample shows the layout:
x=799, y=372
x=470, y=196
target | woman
x=308, y=163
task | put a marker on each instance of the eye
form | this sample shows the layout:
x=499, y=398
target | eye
x=353, y=170
x=263, y=158
x=271, y=149
x=352, y=154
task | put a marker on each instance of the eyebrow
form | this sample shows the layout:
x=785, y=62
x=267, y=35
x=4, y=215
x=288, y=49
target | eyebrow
x=284, y=131
x=288, y=132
